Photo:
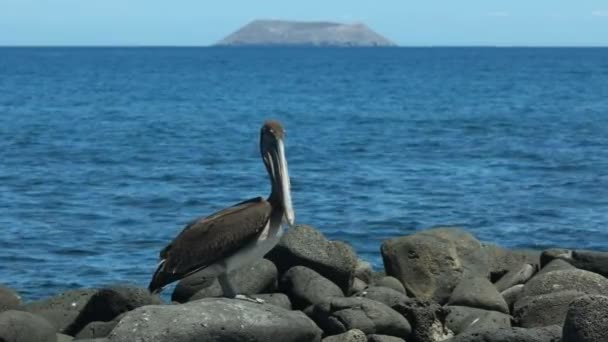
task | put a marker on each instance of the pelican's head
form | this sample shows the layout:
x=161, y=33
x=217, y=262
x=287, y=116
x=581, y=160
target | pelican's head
x=273, y=153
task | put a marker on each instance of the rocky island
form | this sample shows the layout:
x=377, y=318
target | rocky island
x=299, y=33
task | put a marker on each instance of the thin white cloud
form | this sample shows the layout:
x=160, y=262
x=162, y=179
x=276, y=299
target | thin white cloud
x=501, y=14
x=600, y=13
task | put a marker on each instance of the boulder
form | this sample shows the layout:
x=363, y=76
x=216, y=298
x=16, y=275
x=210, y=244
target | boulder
x=556, y=265
x=61, y=310
x=544, y=334
x=587, y=320
x=19, y=326
x=64, y=338
x=462, y=318
x=357, y=286
x=305, y=246
x=593, y=261
x=277, y=299
x=363, y=271
x=384, y=295
x=354, y=335
x=259, y=277
x=576, y=280
x=478, y=292
x=390, y=282
x=512, y=294
x=338, y=315
x=215, y=319
x=543, y=310
x=501, y=261
x=516, y=276
x=306, y=287
x=96, y=330
x=383, y=338
x=427, y=320
x=9, y=299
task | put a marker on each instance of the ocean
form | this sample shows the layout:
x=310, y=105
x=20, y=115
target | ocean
x=106, y=153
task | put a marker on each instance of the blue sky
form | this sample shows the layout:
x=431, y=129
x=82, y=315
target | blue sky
x=202, y=22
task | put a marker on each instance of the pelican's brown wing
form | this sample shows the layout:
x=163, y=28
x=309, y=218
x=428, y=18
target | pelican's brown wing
x=207, y=240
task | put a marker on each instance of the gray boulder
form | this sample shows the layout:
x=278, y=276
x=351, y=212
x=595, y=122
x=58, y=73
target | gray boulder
x=556, y=265
x=259, y=277
x=357, y=286
x=64, y=338
x=338, y=315
x=353, y=335
x=306, y=287
x=305, y=246
x=576, y=280
x=9, y=299
x=478, y=292
x=390, y=282
x=544, y=334
x=96, y=330
x=215, y=319
x=363, y=271
x=383, y=338
x=384, y=295
x=512, y=294
x=587, y=320
x=462, y=318
x=427, y=320
x=593, y=261
x=19, y=326
x=543, y=310
x=277, y=299
x=516, y=276
x=61, y=310
x=501, y=260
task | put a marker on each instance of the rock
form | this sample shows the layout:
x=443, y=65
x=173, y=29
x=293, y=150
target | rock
x=306, y=287
x=383, y=338
x=593, y=261
x=259, y=277
x=384, y=295
x=19, y=326
x=64, y=338
x=303, y=245
x=512, y=294
x=363, y=271
x=102, y=339
x=9, y=299
x=543, y=310
x=587, y=320
x=73, y=310
x=277, y=299
x=516, y=276
x=500, y=260
x=96, y=330
x=556, y=265
x=215, y=319
x=390, y=282
x=544, y=334
x=577, y=280
x=462, y=318
x=426, y=319
x=338, y=315
x=354, y=335
x=358, y=286
x=478, y=293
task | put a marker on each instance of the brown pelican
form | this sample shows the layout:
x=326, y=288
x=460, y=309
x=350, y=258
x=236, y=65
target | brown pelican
x=235, y=236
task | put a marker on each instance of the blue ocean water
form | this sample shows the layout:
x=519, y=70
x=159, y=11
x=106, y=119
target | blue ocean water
x=105, y=153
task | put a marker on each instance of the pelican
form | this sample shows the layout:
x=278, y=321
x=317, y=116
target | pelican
x=235, y=236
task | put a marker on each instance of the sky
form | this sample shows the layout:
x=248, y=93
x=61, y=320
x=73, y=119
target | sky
x=203, y=22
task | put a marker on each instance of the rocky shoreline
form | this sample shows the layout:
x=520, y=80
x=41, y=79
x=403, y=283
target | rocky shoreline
x=440, y=284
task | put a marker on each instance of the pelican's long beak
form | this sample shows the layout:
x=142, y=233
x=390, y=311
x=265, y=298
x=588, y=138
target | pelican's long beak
x=281, y=179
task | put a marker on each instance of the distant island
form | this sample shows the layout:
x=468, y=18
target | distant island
x=300, y=33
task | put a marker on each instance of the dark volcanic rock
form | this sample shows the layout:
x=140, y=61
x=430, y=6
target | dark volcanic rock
x=277, y=299
x=576, y=280
x=427, y=320
x=9, y=299
x=354, y=335
x=545, y=334
x=305, y=287
x=279, y=32
x=19, y=326
x=96, y=330
x=512, y=294
x=338, y=315
x=593, y=261
x=390, y=282
x=215, y=319
x=556, y=265
x=384, y=295
x=516, y=276
x=305, y=246
x=501, y=260
x=543, y=310
x=259, y=277
x=383, y=338
x=478, y=292
x=462, y=318
x=587, y=320
x=62, y=310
